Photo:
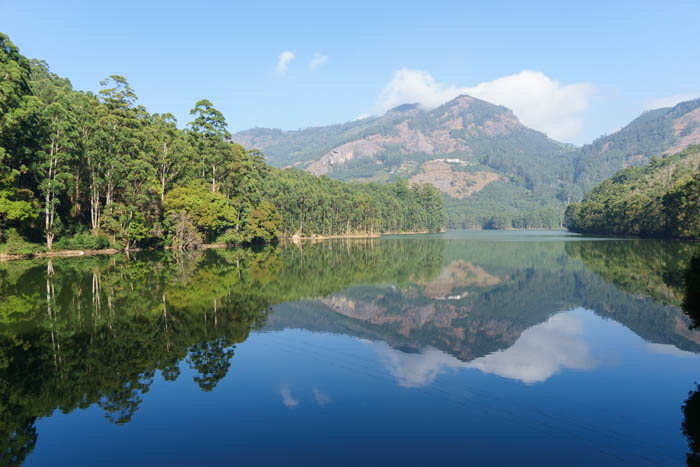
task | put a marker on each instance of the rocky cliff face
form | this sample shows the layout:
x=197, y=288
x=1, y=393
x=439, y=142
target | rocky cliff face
x=466, y=129
x=445, y=130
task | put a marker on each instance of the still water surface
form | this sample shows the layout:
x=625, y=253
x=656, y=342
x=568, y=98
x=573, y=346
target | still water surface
x=464, y=348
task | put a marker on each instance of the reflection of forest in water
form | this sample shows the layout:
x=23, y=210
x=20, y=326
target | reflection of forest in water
x=77, y=332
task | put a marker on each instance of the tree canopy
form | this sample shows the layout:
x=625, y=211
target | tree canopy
x=80, y=169
x=660, y=199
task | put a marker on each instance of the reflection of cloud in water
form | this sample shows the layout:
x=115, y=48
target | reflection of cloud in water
x=287, y=398
x=539, y=352
x=321, y=398
x=415, y=369
x=668, y=349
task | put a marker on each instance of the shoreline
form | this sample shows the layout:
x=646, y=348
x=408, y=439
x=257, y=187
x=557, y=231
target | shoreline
x=4, y=257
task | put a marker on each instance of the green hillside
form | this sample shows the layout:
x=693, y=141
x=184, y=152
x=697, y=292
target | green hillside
x=660, y=199
x=493, y=171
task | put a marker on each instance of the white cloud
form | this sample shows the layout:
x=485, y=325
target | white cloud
x=540, y=352
x=538, y=101
x=669, y=101
x=287, y=398
x=362, y=116
x=409, y=86
x=317, y=60
x=413, y=370
x=321, y=398
x=284, y=59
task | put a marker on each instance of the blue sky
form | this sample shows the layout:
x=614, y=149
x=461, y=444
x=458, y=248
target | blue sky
x=572, y=70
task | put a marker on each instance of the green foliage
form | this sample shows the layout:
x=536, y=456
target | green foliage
x=210, y=212
x=264, y=223
x=11, y=242
x=636, y=144
x=322, y=206
x=83, y=241
x=79, y=161
x=660, y=199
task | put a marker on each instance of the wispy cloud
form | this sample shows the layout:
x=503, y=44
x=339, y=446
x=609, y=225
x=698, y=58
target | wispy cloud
x=537, y=100
x=283, y=61
x=287, y=398
x=669, y=101
x=317, y=60
x=321, y=398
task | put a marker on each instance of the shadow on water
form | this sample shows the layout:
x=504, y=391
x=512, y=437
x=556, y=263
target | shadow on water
x=691, y=408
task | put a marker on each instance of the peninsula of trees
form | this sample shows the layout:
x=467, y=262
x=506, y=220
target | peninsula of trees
x=84, y=170
x=660, y=199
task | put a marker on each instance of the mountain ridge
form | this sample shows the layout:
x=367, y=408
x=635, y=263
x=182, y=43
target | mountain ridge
x=494, y=171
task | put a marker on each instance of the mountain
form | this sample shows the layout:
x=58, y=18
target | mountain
x=494, y=171
x=660, y=131
x=468, y=129
x=659, y=199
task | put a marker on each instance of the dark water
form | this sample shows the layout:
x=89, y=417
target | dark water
x=464, y=348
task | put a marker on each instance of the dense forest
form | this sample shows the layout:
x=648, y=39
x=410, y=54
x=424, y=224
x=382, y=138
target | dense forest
x=84, y=170
x=659, y=199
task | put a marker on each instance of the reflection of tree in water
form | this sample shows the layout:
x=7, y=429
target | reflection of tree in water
x=212, y=360
x=96, y=330
x=691, y=425
x=20, y=440
x=648, y=267
x=691, y=280
x=121, y=403
x=691, y=408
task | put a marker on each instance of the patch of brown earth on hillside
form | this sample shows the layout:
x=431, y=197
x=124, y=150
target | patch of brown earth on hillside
x=681, y=326
x=407, y=320
x=455, y=184
x=679, y=127
x=408, y=140
x=458, y=274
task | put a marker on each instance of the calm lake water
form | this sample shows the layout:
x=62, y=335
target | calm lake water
x=478, y=348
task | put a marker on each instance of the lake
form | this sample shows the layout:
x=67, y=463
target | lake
x=479, y=348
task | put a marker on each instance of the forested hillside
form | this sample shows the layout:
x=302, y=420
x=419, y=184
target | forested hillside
x=655, y=132
x=323, y=206
x=660, y=199
x=79, y=170
x=493, y=171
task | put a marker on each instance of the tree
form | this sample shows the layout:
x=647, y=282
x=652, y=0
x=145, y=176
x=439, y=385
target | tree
x=210, y=213
x=208, y=131
x=264, y=223
x=57, y=138
x=167, y=149
x=18, y=111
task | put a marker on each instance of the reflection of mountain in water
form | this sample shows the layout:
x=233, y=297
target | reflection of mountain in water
x=540, y=351
x=78, y=332
x=472, y=309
